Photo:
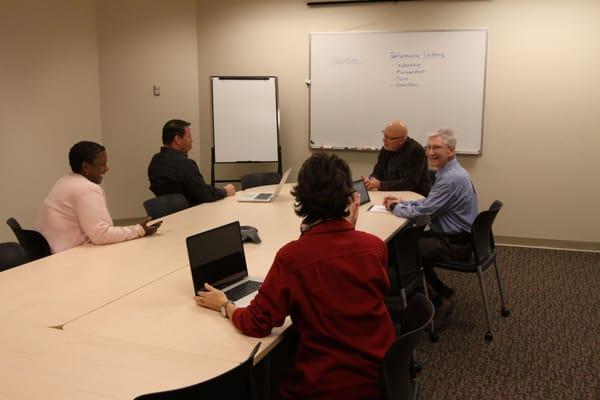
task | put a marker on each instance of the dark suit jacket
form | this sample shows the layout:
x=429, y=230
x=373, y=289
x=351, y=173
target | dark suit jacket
x=171, y=171
x=405, y=169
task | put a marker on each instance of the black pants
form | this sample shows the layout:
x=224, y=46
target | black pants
x=435, y=247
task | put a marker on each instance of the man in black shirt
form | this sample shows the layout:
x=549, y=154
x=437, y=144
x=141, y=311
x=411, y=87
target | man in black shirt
x=171, y=171
x=402, y=163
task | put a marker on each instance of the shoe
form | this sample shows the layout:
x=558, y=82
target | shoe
x=445, y=291
x=437, y=301
x=442, y=314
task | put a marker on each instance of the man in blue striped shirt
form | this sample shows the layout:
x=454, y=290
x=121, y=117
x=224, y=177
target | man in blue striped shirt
x=452, y=205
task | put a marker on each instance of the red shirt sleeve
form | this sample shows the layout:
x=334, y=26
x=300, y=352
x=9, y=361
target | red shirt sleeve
x=269, y=308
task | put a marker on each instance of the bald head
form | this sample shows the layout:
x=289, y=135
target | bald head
x=394, y=135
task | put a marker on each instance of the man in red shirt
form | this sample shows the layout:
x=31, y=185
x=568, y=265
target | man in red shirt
x=331, y=282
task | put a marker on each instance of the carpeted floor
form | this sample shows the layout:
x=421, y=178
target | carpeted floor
x=548, y=348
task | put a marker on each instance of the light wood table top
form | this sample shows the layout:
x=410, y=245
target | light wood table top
x=130, y=323
x=276, y=220
x=57, y=289
x=46, y=363
x=163, y=313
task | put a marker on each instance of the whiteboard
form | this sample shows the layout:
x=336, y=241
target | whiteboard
x=360, y=81
x=245, y=119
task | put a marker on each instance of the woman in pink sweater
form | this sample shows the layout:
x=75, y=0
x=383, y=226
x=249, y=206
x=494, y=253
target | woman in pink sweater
x=75, y=210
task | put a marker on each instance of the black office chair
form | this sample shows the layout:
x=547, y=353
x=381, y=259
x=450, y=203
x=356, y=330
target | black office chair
x=484, y=255
x=432, y=173
x=237, y=383
x=34, y=243
x=259, y=179
x=398, y=374
x=11, y=255
x=164, y=205
x=405, y=271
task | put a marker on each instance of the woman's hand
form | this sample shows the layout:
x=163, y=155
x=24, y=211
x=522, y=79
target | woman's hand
x=150, y=229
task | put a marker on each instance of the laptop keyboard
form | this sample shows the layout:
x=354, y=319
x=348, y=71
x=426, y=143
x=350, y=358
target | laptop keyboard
x=242, y=290
x=263, y=196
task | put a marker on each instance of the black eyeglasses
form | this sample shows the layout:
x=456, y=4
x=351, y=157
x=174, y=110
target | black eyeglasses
x=391, y=139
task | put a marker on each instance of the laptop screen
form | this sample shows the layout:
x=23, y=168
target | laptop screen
x=282, y=181
x=217, y=256
x=360, y=187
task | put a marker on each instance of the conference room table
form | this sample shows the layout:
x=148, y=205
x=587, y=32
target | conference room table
x=46, y=363
x=78, y=324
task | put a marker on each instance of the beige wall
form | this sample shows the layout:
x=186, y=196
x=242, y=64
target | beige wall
x=540, y=141
x=143, y=43
x=70, y=67
x=49, y=98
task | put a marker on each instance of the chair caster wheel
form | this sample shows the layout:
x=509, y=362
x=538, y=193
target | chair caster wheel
x=505, y=312
x=418, y=368
x=489, y=336
x=434, y=336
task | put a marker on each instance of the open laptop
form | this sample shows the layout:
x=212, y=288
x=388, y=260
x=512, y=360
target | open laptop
x=266, y=197
x=217, y=257
x=360, y=187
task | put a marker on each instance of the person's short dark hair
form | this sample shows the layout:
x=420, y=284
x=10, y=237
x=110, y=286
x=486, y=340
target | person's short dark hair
x=174, y=127
x=324, y=188
x=83, y=151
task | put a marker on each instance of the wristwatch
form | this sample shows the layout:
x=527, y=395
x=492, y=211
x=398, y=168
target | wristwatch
x=224, y=308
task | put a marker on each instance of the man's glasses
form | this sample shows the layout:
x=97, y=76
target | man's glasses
x=391, y=139
x=435, y=148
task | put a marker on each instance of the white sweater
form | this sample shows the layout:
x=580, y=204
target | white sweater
x=75, y=212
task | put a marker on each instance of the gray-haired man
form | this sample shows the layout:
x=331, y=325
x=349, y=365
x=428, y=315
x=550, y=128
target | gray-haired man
x=452, y=205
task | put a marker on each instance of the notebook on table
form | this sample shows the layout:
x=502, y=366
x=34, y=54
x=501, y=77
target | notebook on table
x=265, y=197
x=217, y=257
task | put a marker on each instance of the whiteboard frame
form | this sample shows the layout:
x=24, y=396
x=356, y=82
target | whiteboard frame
x=309, y=84
x=277, y=119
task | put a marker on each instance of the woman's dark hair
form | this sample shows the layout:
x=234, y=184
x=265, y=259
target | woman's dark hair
x=83, y=151
x=174, y=127
x=324, y=188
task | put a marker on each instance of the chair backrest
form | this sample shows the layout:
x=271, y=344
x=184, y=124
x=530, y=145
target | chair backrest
x=481, y=232
x=395, y=377
x=259, y=179
x=11, y=255
x=405, y=262
x=34, y=243
x=237, y=383
x=432, y=173
x=164, y=205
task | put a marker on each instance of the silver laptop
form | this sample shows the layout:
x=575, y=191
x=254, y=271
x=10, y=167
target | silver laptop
x=266, y=197
x=217, y=257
